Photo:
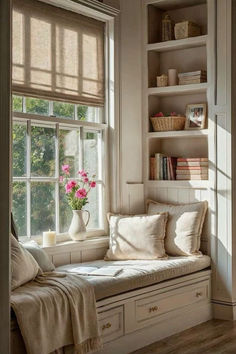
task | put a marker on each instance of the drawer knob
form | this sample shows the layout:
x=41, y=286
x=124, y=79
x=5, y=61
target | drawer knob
x=105, y=326
x=153, y=309
x=199, y=294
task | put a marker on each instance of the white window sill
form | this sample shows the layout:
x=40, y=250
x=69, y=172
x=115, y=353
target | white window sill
x=70, y=245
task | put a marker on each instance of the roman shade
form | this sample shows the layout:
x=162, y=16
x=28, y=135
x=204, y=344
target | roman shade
x=57, y=54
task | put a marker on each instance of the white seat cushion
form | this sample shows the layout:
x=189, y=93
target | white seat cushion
x=137, y=274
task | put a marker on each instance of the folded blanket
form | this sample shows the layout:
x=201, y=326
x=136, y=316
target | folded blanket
x=56, y=310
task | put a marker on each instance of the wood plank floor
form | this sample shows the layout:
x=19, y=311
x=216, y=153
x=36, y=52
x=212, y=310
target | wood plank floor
x=212, y=337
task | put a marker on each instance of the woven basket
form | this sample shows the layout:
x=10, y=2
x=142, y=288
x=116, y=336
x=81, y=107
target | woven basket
x=162, y=124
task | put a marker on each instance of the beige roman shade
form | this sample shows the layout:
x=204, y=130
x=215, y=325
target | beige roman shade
x=57, y=54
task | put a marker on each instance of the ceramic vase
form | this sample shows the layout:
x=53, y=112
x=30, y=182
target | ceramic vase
x=77, y=229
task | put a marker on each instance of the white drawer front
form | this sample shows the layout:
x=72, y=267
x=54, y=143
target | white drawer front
x=111, y=324
x=156, y=305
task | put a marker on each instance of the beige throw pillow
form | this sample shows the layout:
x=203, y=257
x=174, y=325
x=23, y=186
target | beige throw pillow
x=137, y=237
x=184, y=227
x=23, y=266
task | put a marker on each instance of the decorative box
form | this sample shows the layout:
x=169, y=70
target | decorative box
x=187, y=29
x=162, y=80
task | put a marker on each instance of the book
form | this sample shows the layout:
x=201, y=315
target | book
x=191, y=168
x=158, y=167
x=152, y=168
x=173, y=165
x=193, y=73
x=93, y=271
x=191, y=81
x=192, y=159
x=190, y=173
x=192, y=164
x=192, y=177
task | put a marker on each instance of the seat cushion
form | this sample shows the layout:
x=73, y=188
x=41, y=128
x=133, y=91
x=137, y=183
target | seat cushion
x=138, y=274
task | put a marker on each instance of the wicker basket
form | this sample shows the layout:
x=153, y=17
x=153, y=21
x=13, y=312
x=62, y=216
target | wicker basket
x=162, y=124
x=186, y=29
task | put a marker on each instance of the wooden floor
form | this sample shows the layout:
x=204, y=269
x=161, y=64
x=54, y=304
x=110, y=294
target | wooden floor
x=212, y=337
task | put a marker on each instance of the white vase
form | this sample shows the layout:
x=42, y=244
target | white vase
x=77, y=229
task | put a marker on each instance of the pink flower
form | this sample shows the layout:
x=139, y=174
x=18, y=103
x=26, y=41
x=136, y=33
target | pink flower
x=81, y=193
x=92, y=184
x=173, y=114
x=83, y=173
x=85, y=179
x=160, y=114
x=69, y=186
x=61, y=178
x=66, y=169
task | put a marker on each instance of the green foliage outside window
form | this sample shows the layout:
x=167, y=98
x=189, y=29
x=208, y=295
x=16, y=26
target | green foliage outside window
x=43, y=165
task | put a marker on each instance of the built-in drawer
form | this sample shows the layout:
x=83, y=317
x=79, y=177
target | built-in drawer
x=111, y=324
x=153, y=306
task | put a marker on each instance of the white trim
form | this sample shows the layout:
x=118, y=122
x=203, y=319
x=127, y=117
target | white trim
x=67, y=246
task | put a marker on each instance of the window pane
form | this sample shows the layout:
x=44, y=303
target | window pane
x=17, y=103
x=65, y=211
x=19, y=149
x=19, y=207
x=89, y=114
x=37, y=106
x=42, y=207
x=42, y=151
x=63, y=110
x=95, y=207
x=91, y=155
x=69, y=150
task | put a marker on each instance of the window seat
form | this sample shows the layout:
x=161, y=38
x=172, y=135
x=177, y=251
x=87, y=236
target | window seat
x=138, y=274
x=147, y=301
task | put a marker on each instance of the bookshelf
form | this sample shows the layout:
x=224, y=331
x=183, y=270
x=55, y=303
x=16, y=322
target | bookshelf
x=189, y=54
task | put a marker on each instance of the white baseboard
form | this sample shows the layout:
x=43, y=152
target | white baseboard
x=224, y=311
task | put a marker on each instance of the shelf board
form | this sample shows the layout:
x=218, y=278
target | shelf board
x=178, y=44
x=167, y=5
x=178, y=134
x=178, y=90
x=198, y=184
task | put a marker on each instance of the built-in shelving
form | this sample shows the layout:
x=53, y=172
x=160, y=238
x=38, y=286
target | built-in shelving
x=178, y=90
x=178, y=44
x=179, y=134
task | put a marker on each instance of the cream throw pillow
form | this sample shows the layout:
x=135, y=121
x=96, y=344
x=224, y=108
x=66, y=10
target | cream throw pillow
x=184, y=227
x=137, y=237
x=23, y=266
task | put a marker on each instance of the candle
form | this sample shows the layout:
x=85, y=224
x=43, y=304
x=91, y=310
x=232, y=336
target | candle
x=49, y=238
x=172, y=77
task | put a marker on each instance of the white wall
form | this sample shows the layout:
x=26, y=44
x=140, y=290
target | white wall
x=113, y=3
x=131, y=101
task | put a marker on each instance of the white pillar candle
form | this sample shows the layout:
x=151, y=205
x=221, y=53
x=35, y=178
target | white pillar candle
x=172, y=77
x=49, y=238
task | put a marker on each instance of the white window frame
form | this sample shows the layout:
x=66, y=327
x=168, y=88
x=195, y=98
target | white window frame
x=109, y=128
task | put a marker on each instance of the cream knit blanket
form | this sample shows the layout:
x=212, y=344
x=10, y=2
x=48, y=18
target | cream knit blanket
x=56, y=310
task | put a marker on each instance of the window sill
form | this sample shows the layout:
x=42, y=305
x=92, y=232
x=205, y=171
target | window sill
x=67, y=246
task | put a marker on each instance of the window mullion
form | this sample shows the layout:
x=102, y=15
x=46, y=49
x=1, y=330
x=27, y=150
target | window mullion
x=81, y=148
x=28, y=174
x=57, y=168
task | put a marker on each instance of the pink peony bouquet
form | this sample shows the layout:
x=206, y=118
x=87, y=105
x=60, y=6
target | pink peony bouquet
x=77, y=190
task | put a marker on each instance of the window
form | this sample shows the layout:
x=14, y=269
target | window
x=47, y=134
x=63, y=93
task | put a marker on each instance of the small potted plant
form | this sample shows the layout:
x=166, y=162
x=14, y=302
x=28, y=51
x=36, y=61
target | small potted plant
x=77, y=195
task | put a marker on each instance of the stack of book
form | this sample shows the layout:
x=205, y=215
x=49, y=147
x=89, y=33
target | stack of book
x=193, y=77
x=163, y=167
x=192, y=169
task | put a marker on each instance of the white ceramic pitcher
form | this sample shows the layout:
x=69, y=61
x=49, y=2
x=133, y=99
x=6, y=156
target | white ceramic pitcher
x=77, y=229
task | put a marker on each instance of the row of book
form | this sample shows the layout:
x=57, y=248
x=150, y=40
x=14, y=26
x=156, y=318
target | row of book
x=193, y=77
x=172, y=168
